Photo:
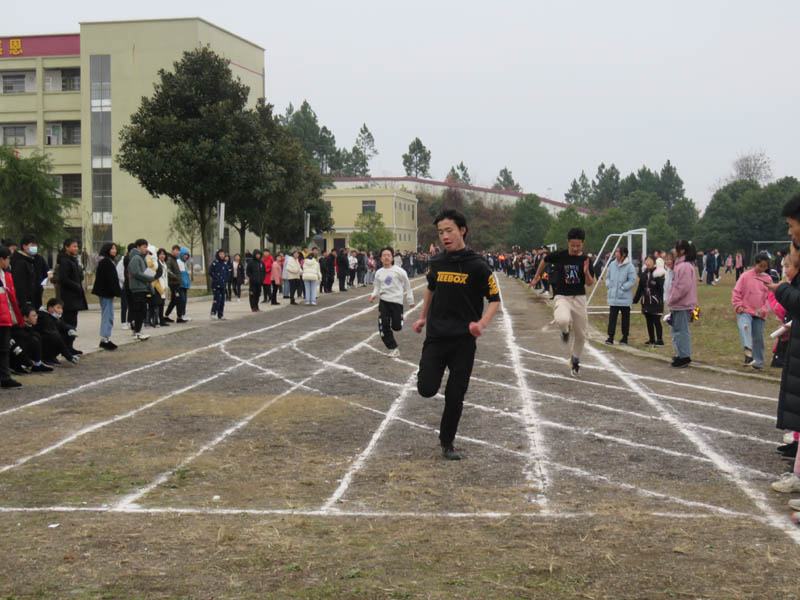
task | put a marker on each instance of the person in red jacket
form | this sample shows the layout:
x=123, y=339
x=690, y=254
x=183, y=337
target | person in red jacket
x=267, y=283
x=10, y=316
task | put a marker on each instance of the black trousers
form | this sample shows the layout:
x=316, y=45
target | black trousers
x=5, y=337
x=30, y=341
x=54, y=344
x=174, y=300
x=255, y=294
x=266, y=291
x=351, y=275
x=70, y=317
x=138, y=310
x=457, y=355
x=276, y=289
x=294, y=288
x=654, y=330
x=342, y=278
x=390, y=319
x=612, y=321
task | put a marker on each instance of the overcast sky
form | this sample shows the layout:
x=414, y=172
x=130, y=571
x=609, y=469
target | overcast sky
x=545, y=88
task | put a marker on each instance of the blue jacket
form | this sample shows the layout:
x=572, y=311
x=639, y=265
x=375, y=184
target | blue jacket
x=186, y=280
x=218, y=272
x=620, y=281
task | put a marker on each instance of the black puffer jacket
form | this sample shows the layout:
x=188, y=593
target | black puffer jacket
x=70, y=282
x=24, y=273
x=788, y=295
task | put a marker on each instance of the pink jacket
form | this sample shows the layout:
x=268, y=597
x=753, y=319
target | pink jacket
x=776, y=307
x=750, y=294
x=276, y=271
x=683, y=291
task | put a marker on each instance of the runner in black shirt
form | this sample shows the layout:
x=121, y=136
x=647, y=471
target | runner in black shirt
x=458, y=281
x=571, y=271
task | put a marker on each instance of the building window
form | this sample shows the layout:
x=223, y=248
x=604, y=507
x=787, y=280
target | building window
x=100, y=77
x=101, y=135
x=71, y=185
x=101, y=190
x=13, y=84
x=70, y=80
x=14, y=136
x=367, y=206
x=72, y=132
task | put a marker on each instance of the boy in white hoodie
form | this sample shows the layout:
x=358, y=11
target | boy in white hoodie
x=391, y=282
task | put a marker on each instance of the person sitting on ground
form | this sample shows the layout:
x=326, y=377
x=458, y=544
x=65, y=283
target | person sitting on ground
x=29, y=341
x=55, y=334
x=750, y=300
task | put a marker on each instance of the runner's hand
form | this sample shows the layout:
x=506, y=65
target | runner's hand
x=418, y=325
x=412, y=305
x=476, y=329
x=586, y=267
x=371, y=299
x=534, y=282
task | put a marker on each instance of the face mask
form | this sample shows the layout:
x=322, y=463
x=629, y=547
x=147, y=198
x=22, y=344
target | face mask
x=32, y=250
x=55, y=315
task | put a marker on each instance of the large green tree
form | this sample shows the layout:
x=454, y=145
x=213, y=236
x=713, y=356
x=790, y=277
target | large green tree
x=606, y=192
x=459, y=174
x=505, y=181
x=185, y=141
x=564, y=221
x=29, y=199
x=530, y=222
x=372, y=234
x=580, y=192
x=417, y=161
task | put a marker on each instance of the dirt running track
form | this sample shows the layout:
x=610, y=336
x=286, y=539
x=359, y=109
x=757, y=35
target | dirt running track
x=285, y=455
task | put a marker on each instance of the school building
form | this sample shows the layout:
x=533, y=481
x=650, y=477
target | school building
x=69, y=95
x=397, y=207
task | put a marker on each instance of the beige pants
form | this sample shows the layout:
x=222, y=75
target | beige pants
x=572, y=310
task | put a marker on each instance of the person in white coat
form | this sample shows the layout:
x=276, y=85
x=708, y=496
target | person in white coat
x=620, y=281
x=292, y=273
x=312, y=275
x=390, y=285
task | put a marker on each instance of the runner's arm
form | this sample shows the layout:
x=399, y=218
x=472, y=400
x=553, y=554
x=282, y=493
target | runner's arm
x=426, y=303
x=538, y=275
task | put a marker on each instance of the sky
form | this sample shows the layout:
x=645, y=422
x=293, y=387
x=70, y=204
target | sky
x=546, y=89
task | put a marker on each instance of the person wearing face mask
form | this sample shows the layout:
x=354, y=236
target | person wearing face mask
x=23, y=269
x=56, y=336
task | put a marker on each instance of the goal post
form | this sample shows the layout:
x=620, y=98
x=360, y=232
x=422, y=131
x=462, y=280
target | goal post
x=616, y=239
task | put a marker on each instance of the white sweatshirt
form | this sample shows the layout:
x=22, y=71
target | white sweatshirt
x=390, y=284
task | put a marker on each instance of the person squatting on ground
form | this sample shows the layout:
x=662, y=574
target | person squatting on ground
x=651, y=294
x=750, y=299
x=458, y=281
x=682, y=301
x=570, y=272
x=57, y=337
x=218, y=273
x=106, y=288
x=620, y=281
x=390, y=283
x=26, y=345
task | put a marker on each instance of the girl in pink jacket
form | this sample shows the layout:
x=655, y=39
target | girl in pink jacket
x=682, y=301
x=750, y=299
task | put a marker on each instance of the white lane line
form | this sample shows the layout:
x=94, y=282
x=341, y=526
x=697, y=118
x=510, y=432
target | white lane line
x=609, y=386
x=573, y=470
x=660, y=380
x=728, y=468
x=96, y=426
x=202, y=511
x=160, y=363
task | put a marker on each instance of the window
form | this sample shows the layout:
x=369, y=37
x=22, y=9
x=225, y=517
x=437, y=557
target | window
x=14, y=136
x=367, y=206
x=101, y=134
x=71, y=186
x=101, y=190
x=72, y=132
x=13, y=84
x=100, y=67
x=71, y=80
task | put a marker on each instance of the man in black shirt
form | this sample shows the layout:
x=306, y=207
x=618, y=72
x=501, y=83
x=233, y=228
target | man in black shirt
x=458, y=281
x=570, y=272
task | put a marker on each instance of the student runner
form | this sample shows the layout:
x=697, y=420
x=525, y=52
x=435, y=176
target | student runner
x=458, y=281
x=389, y=285
x=571, y=272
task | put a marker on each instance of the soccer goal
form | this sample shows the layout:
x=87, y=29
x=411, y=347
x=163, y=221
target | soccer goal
x=616, y=239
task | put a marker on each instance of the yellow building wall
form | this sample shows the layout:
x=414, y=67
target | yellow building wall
x=398, y=209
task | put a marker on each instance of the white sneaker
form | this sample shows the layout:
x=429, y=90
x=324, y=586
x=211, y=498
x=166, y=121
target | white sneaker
x=142, y=337
x=187, y=318
x=786, y=484
x=788, y=437
x=794, y=503
x=394, y=353
x=126, y=326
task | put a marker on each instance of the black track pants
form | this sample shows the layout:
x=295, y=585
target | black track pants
x=390, y=319
x=457, y=355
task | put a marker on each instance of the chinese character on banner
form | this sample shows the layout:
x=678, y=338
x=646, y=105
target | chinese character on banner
x=1, y=47
x=15, y=46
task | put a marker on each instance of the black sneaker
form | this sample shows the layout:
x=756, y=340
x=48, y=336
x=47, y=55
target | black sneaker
x=78, y=352
x=609, y=342
x=109, y=345
x=51, y=362
x=181, y=320
x=650, y=343
x=10, y=383
x=450, y=453
x=788, y=448
x=41, y=369
x=168, y=320
x=575, y=367
x=565, y=337
x=748, y=360
x=659, y=343
x=681, y=362
x=624, y=341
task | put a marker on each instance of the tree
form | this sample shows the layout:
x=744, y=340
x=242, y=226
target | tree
x=530, y=222
x=183, y=142
x=580, y=192
x=29, y=199
x=185, y=230
x=365, y=142
x=640, y=206
x=606, y=191
x=660, y=235
x=505, y=181
x=564, y=221
x=459, y=174
x=755, y=166
x=417, y=161
x=683, y=218
x=372, y=234
x=670, y=186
